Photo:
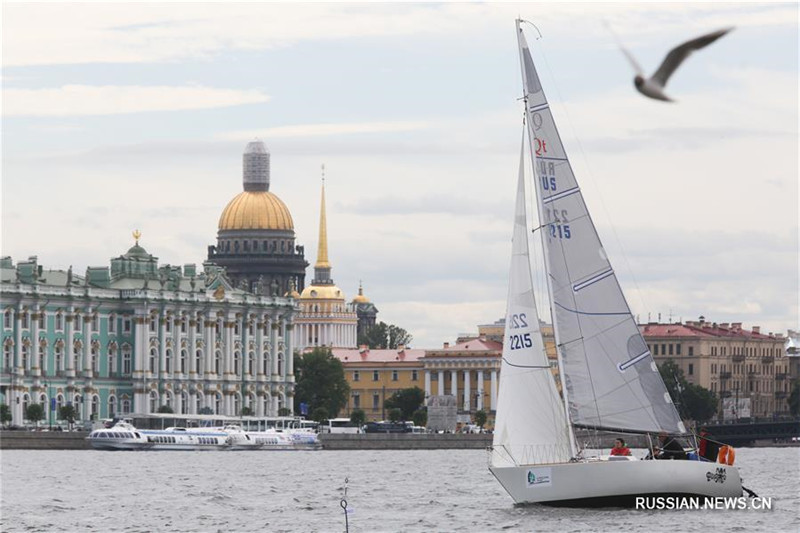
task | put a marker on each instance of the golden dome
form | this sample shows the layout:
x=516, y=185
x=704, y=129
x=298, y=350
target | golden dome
x=256, y=210
x=292, y=294
x=322, y=292
x=360, y=298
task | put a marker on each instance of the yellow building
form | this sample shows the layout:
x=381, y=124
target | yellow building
x=374, y=375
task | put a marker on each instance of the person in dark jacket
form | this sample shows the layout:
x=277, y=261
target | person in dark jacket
x=669, y=448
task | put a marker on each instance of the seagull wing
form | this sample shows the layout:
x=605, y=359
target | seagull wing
x=676, y=56
x=632, y=60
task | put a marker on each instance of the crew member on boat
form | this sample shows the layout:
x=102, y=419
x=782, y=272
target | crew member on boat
x=669, y=448
x=620, y=448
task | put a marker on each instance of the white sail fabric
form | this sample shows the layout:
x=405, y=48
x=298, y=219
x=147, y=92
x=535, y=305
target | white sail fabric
x=531, y=425
x=610, y=377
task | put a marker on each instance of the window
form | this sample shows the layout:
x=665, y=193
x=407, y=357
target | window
x=76, y=356
x=8, y=357
x=168, y=323
x=280, y=364
x=198, y=325
x=678, y=349
x=356, y=375
x=691, y=350
x=375, y=375
x=183, y=325
x=24, y=320
x=414, y=375
x=126, y=326
x=111, y=362
x=691, y=369
x=237, y=363
x=168, y=361
x=153, y=401
x=59, y=359
x=356, y=401
x=198, y=358
x=394, y=375
x=59, y=322
x=153, y=360
x=670, y=349
x=237, y=328
x=95, y=322
x=153, y=321
x=42, y=317
x=126, y=362
x=112, y=406
x=251, y=363
x=25, y=352
x=376, y=401
x=95, y=359
x=217, y=358
x=7, y=319
x=126, y=406
x=183, y=362
x=112, y=324
x=77, y=322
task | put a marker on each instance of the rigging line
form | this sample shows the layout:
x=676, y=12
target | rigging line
x=586, y=313
x=534, y=27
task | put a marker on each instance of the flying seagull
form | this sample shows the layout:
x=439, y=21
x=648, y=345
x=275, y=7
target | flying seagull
x=653, y=87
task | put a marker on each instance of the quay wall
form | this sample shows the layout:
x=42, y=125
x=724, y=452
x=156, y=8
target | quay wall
x=44, y=440
x=404, y=441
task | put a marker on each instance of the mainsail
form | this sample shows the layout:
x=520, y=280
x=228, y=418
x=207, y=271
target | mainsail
x=608, y=373
x=531, y=426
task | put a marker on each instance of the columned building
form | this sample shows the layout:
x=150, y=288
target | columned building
x=747, y=369
x=256, y=239
x=325, y=319
x=137, y=336
x=468, y=370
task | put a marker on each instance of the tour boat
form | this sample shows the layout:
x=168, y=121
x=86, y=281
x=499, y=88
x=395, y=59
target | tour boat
x=610, y=380
x=183, y=439
x=122, y=436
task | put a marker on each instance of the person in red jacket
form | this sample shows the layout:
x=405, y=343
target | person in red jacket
x=620, y=448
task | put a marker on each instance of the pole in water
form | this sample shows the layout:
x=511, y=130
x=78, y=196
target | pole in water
x=343, y=504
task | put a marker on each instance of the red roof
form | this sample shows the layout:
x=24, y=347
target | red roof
x=473, y=345
x=702, y=329
x=353, y=355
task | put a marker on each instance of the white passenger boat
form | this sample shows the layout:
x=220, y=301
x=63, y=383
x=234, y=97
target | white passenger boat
x=183, y=439
x=122, y=436
x=610, y=380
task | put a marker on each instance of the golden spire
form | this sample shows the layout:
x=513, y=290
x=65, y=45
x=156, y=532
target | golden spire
x=322, y=248
x=136, y=235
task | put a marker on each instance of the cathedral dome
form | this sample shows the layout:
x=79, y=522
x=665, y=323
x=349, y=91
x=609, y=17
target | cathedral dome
x=322, y=292
x=256, y=210
x=360, y=298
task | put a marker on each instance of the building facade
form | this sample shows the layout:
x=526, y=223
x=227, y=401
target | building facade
x=374, y=375
x=325, y=319
x=748, y=370
x=256, y=238
x=134, y=337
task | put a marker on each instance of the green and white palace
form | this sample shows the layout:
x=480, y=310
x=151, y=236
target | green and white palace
x=137, y=336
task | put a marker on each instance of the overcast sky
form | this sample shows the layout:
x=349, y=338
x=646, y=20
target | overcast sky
x=117, y=117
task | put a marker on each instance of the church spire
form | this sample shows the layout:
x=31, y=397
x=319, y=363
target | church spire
x=322, y=269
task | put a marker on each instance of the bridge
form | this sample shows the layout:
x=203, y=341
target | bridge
x=746, y=433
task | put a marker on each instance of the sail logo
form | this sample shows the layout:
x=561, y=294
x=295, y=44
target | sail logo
x=538, y=476
x=718, y=476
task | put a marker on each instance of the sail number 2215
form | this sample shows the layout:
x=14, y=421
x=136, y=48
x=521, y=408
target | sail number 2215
x=519, y=321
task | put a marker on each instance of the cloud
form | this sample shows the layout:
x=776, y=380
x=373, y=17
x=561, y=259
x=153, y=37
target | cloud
x=79, y=100
x=316, y=130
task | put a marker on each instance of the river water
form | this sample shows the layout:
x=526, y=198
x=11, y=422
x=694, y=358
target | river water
x=424, y=491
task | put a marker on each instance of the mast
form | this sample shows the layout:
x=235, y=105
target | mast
x=545, y=248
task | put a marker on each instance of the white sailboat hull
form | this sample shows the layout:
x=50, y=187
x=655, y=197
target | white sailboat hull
x=616, y=483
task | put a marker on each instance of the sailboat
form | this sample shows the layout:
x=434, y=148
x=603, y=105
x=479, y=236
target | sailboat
x=610, y=381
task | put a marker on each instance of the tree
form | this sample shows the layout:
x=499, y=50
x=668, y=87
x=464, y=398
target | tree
x=284, y=411
x=407, y=400
x=246, y=411
x=794, y=398
x=165, y=409
x=320, y=414
x=480, y=418
x=395, y=415
x=358, y=417
x=420, y=417
x=68, y=413
x=692, y=401
x=35, y=413
x=320, y=381
x=383, y=335
x=205, y=411
x=5, y=414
